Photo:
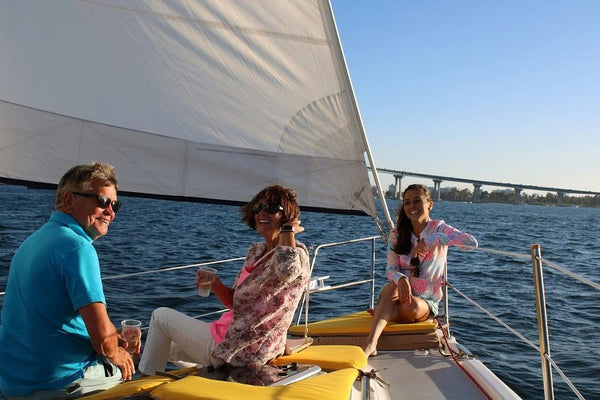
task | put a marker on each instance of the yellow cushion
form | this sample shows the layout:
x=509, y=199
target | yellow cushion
x=131, y=387
x=137, y=386
x=359, y=324
x=333, y=386
x=328, y=357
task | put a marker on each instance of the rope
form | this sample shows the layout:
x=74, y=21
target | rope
x=523, y=338
x=548, y=263
x=572, y=275
x=171, y=268
x=452, y=354
x=501, y=252
x=565, y=378
x=372, y=374
x=520, y=336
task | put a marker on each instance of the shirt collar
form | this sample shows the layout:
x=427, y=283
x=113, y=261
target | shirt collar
x=70, y=222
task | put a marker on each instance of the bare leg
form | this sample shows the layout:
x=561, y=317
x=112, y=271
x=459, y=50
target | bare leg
x=415, y=311
x=383, y=313
x=389, y=309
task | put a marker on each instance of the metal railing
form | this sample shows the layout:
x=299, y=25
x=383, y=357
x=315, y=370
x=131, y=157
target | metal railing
x=320, y=288
x=535, y=256
x=543, y=349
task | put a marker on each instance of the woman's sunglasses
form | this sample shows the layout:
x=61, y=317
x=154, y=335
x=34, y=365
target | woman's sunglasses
x=270, y=208
x=103, y=201
x=415, y=262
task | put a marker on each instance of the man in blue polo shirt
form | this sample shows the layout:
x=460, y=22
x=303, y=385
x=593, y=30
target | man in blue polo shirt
x=56, y=339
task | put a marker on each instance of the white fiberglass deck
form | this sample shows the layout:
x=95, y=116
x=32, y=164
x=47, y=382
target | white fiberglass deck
x=423, y=377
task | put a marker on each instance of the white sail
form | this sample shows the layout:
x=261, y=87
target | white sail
x=192, y=99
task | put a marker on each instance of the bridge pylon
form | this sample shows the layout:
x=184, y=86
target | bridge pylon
x=437, y=191
x=397, y=186
x=476, y=193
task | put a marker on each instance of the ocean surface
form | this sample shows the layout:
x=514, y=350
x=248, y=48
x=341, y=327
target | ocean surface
x=150, y=234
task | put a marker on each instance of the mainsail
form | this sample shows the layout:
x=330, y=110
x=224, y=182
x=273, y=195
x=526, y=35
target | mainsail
x=201, y=100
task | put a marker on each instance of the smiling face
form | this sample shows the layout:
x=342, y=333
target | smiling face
x=416, y=206
x=267, y=224
x=86, y=211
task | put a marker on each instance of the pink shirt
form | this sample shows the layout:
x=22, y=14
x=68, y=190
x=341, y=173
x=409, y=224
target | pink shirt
x=218, y=328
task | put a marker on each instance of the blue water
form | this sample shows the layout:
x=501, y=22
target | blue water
x=149, y=234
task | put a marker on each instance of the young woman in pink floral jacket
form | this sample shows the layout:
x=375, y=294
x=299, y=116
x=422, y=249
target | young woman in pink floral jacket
x=416, y=261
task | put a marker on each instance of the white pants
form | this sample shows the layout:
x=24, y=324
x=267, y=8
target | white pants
x=175, y=337
x=94, y=379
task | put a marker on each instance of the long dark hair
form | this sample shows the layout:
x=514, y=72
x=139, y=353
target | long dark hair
x=403, y=225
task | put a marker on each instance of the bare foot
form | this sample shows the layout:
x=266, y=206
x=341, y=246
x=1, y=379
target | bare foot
x=370, y=352
x=371, y=311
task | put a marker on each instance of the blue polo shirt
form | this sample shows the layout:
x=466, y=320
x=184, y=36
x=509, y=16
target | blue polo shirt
x=44, y=344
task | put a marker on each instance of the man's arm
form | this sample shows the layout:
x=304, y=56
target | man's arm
x=105, y=338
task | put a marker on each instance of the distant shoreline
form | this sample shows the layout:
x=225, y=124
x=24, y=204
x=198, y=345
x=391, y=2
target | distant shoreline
x=589, y=204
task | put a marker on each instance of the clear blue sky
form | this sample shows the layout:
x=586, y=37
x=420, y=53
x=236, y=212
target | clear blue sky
x=504, y=91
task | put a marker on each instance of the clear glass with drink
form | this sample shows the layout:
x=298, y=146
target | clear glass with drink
x=204, y=280
x=131, y=330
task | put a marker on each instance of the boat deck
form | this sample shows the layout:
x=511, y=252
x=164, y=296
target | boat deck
x=414, y=376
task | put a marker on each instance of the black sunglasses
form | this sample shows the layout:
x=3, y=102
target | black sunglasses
x=103, y=201
x=270, y=208
x=415, y=262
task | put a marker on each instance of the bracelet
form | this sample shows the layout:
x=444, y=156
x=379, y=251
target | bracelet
x=287, y=228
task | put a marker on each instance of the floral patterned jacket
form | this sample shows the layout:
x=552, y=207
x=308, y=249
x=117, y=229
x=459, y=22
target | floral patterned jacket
x=263, y=306
x=428, y=285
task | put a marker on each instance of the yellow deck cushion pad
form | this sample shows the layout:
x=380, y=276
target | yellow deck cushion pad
x=359, y=324
x=333, y=386
x=328, y=357
x=137, y=386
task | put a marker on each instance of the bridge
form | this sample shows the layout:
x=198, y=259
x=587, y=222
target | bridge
x=477, y=184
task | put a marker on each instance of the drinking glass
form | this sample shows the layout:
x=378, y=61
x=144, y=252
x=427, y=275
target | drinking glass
x=131, y=330
x=205, y=277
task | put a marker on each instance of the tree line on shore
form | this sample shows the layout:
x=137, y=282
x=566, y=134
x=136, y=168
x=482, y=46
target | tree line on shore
x=508, y=196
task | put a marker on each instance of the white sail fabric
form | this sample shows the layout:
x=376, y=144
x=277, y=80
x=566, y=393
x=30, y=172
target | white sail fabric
x=209, y=100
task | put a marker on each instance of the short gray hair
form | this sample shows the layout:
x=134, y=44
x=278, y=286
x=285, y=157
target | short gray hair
x=83, y=177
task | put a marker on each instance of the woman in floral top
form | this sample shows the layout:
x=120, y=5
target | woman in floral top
x=417, y=253
x=262, y=300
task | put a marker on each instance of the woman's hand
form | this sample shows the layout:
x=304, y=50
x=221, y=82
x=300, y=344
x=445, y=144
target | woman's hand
x=421, y=249
x=404, y=290
x=287, y=237
x=203, y=276
x=295, y=223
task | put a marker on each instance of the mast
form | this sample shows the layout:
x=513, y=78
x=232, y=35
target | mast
x=346, y=76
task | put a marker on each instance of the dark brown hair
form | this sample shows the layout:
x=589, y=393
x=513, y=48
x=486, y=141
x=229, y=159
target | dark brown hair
x=403, y=224
x=276, y=194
